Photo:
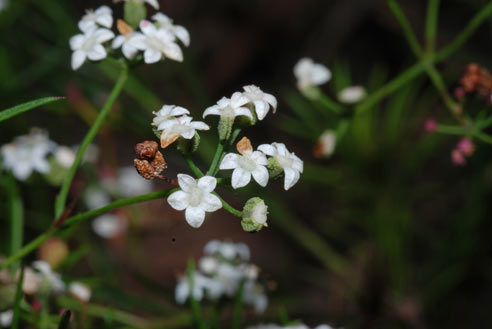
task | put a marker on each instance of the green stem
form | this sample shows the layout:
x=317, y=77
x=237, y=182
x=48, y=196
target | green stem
x=438, y=82
x=18, y=299
x=330, y=104
x=228, y=207
x=195, y=305
x=198, y=173
x=31, y=246
x=16, y=218
x=91, y=134
x=452, y=130
x=407, y=28
x=216, y=159
x=238, y=306
x=431, y=25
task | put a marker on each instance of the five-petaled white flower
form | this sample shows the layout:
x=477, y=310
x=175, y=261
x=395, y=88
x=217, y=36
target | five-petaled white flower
x=89, y=45
x=27, y=154
x=168, y=112
x=261, y=100
x=246, y=164
x=230, y=107
x=155, y=43
x=196, y=197
x=181, y=126
x=102, y=16
x=291, y=164
x=153, y=3
x=310, y=74
x=180, y=32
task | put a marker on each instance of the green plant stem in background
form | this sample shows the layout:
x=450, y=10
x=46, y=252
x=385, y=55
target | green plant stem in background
x=238, y=306
x=31, y=246
x=431, y=25
x=195, y=305
x=91, y=134
x=16, y=209
x=194, y=168
x=330, y=104
x=18, y=299
x=21, y=108
x=407, y=28
x=216, y=159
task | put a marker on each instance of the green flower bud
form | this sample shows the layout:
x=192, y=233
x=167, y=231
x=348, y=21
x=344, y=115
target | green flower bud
x=225, y=127
x=274, y=168
x=135, y=11
x=254, y=215
x=187, y=146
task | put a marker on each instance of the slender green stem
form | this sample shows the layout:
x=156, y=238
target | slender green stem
x=483, y=137
x=16, y=218
x=195, y=305
x=484, y=124
x=431, y=25
x=18, y=299
x=238, y=306
x=407, y=28
x=91, y=134
x=216, y=159
x=330, y=104
x=451, y=130
x=438, y=82
x=228, y=207
x=31, y=246
x=198, y=173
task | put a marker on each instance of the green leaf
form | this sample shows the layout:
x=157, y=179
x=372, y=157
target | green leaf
x=65, y=320
x=18, y=298
x=16, y=110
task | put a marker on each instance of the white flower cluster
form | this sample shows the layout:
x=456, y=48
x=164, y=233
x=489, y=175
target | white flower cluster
x=28, y=153
x=156, y=39
x=222, y=272
x=310, y=74
x=294, y=326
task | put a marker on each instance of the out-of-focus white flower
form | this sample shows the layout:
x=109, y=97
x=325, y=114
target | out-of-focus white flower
x=228, y=250
x=91, y=153
x=326, y=144
x=261, y=100
x=102, y=16
x=352, y=95
x=95, y=197
x=310, y=74
x=201, y=284
x=28, y=153
x=65, y=156
x=3, y=4
x=155, y=43
x=291, y=164
x=130, y=183
x=230, y=277
x=168, y=112
x=6, y=317
x=109, y=226
x=182, y=126
x=250, y=271
x=123, y=41
x=230, y=107
x=208, y=265
x=80, y=291
x=254, y=295
x=52, y=279
x=196, y=197
x=89, y=45
x=153, y=3
x=180, y=32
x=248, y=163
x=31, y=281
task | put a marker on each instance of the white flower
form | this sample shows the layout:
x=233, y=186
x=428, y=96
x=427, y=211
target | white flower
x=352, y=95
x=168, y=112
x=28, y=153
x=201, y=284
x=6, y=317
x=182, y=126
x=31, y=281
x=230, y=108
x=102, y=16
x=326, y=144
x=124, y=41
x=261, y=100
x=80, y=291
x=95, y=197
x=109, y=226
x=208, y=265
x=248, y=163
x=254, y=295
x=89, y=45
x=310, y=74
x=155, y=43
x=65, y=156
x=52, y=279
x=180, y=32
x=291, y=164
x=228, y=250
x=196, y=197
x=130, y=183
x=153, y=3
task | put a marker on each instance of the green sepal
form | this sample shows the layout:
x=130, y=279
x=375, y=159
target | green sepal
x=135, y=11
x=274, y=168
x=225, y=127
x=187, y=146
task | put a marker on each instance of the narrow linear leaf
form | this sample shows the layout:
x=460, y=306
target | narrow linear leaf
x=65, y=320
x=21, y=108
x=18, y=298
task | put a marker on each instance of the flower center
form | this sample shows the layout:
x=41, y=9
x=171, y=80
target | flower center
x=195, y=196
x=285, y=162
x=154, y=42
x=246, y=163
x=89, y=44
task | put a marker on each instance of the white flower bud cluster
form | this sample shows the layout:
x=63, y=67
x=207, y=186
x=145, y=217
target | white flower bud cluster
x=223, y=270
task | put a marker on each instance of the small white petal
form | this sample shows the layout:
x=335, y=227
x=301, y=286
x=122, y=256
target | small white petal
x=97, y=53
x=76, y=41
x=240, y=178
x=186, y=182
x=182, y=34
x=198, y=125
x=207, y=183
x=261, y=109
x=211, y=203
x=173, y=51
x=147, y=27
x=153, y=3
x=291, y=177
x=118, y=42
x=244, y=111
x=267, y=149
x=78, y=58
x=212, y=110
x=152, y=56
x=129, y=51
x=229, y=161
x=260, y=174
x=178, y=200
x=195, y=216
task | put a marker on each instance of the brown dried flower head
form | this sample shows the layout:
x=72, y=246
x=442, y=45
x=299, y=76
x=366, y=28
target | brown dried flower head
x=477, y=79
x=244, y=146
x=149, y=161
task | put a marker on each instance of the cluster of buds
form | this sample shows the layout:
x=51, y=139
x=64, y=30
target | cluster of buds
x=222, y=272
x=138, y=37
x=464, y=149
x=477, y=80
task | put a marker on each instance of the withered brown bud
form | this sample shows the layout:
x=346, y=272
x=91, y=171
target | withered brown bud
x=149, y=161
x=477, y=79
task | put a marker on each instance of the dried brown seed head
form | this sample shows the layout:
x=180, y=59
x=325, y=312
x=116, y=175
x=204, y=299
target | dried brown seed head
x=123, y=27
x=146, y=150
x=244, y=145
x=149, y=161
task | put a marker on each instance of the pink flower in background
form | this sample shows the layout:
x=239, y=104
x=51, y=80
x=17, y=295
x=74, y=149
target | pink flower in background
x=463, y=149
x=430, y=125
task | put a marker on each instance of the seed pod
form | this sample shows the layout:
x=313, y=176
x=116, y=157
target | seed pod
x=149, y=161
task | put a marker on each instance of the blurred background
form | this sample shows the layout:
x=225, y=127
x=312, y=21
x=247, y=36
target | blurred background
x=386, y=233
